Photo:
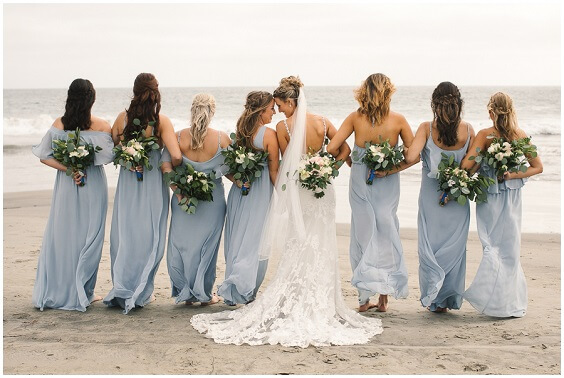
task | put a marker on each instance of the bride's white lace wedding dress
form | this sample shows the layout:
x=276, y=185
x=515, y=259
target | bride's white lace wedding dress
x=302, y=305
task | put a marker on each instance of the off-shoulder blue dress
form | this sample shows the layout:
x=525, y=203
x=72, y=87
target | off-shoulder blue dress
x=74, y=236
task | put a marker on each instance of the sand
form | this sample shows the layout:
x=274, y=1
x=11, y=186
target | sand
x=158, y=339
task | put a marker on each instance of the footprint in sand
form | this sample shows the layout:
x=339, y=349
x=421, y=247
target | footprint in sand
x=475, y=367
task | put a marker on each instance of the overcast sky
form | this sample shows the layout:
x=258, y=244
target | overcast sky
x=49, y=45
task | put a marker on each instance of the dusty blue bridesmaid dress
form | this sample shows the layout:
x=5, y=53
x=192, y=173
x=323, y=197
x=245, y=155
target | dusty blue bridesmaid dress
x=137, y=237
x=499, y=288
x=376, y=253
x=193, y=239
x=74, y=236
x=243, y=227
x=442, y=235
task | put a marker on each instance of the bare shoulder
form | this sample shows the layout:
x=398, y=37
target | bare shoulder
x=224, y=139
x=280, y=126
x=163, y=119
x=270, y=132
x=521, y=133
x=58, y=124
x=99, y=124
x=397, y=118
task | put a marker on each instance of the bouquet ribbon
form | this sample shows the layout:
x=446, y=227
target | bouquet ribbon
x=371, y=177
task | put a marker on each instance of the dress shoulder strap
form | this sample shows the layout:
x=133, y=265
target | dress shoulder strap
x=287, y=129
x=468, y=136
x=218, y=139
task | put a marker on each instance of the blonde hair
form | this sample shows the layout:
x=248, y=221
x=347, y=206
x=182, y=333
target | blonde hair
x=503, y=114
x=374, y=97
x=289, y=88
x=248, y=122
x=202, y=111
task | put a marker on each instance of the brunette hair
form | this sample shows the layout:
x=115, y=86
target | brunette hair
x=374, y=96
x=289, y=88
x=80, y=98
x=248, y=122
x=202, y=111
x=504, y=119
x=145, y=105
x=446, y=104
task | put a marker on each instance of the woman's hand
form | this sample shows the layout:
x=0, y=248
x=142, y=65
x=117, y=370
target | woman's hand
x=179, y=197
x=240, y=184
x=77, y=177
x=349, y=161
x=381, y=174
x=139, y=168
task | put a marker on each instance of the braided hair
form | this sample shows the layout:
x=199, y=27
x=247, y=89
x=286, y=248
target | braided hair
x=248, y=122
x=80, y=98
x=289, y=88
x=446, y=104
x=503, y=115
x=145, y=105
x=202, y=111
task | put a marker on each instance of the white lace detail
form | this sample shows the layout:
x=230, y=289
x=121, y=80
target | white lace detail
x=303, y=304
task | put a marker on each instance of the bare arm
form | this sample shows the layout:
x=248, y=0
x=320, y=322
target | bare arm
x=167, y=134
x=272, y=147
x=281, y=134
x=405, y=132
x=478, y=142
x=413, y=152
x=343, y=151
x=339, y=138
x=534, y=169
x=117, y=128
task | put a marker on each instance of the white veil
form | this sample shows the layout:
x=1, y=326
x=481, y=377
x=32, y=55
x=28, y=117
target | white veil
x=284, y=219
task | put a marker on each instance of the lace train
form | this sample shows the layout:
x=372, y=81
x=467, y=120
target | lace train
x=303, y=304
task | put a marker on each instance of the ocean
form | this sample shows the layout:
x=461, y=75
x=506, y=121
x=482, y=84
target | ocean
x=28, y=113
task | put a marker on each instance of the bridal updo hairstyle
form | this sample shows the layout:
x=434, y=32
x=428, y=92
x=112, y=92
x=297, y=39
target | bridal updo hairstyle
x=248, y=122
x=446, y=104
x=374, y=97
x=145, y=105
x=202, y=111
x=80, y=98
x=289, y=88
x=503, y=115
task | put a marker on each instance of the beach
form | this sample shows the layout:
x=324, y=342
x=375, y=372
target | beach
x=158, y=339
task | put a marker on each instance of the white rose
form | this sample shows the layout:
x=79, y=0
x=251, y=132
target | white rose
x=73, y=154
x=240, y=160
x=451, y=183
x=499, y=156
x=189, y=179
x=304, y=175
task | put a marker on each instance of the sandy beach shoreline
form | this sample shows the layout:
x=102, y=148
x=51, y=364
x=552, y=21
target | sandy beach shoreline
x=159, y=339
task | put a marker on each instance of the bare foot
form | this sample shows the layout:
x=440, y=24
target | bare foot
x=367, y=306
x=96, y=298
x=441, y=309
x=152, y=298
x=382, y=303
x=187, y=303
x=214, y=300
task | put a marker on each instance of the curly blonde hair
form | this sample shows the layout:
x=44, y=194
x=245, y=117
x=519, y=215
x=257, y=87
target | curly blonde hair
x=374, y=97
x=289, y=88
x=503, y=115
x=202, y=111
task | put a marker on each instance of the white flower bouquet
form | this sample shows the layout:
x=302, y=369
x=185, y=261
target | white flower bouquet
x=75, y=154
x=243, y=163
x=135, y=151
x=193, y=186
x=457, y=184
x=380, y=157
x=316, y=170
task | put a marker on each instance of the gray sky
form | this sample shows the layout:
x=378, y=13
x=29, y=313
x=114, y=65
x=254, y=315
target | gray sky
x=49, y=45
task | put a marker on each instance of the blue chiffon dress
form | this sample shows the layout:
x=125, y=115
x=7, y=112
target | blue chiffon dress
x=442, y=235
x=74, y=236
x=499, y=288
x=193, y=239
x=137, y=237
x=376, y=253
x=243, y=228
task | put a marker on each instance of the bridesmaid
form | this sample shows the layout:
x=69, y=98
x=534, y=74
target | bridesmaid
x=499, y=287
x=243, y=272
x=74, y=236
x=193, y=239
x=376, y=252
x=442, y=231
x=137, y=238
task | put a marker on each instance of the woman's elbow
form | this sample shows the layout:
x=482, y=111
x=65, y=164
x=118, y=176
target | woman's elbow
x=332, y=149
x=412, y=159
x=176, y=159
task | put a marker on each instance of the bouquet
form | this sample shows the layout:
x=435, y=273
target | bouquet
x=192, y=185
x=503, y=156
x=316, y=170
x=457, y=185
x=75, y=154
x=243, y=163
x=136, y=151
x=380, y=157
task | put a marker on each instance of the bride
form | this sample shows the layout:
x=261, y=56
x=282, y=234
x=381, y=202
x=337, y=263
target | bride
x=303, y=304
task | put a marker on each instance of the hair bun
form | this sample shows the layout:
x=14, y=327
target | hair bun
x=293, y=81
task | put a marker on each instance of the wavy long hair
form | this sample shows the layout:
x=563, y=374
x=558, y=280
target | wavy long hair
x=145, y=105
x=374, y=97
x=446, y=104
x=504, y=118
x=80, y=98
x=248, y=122
x=202, y=111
